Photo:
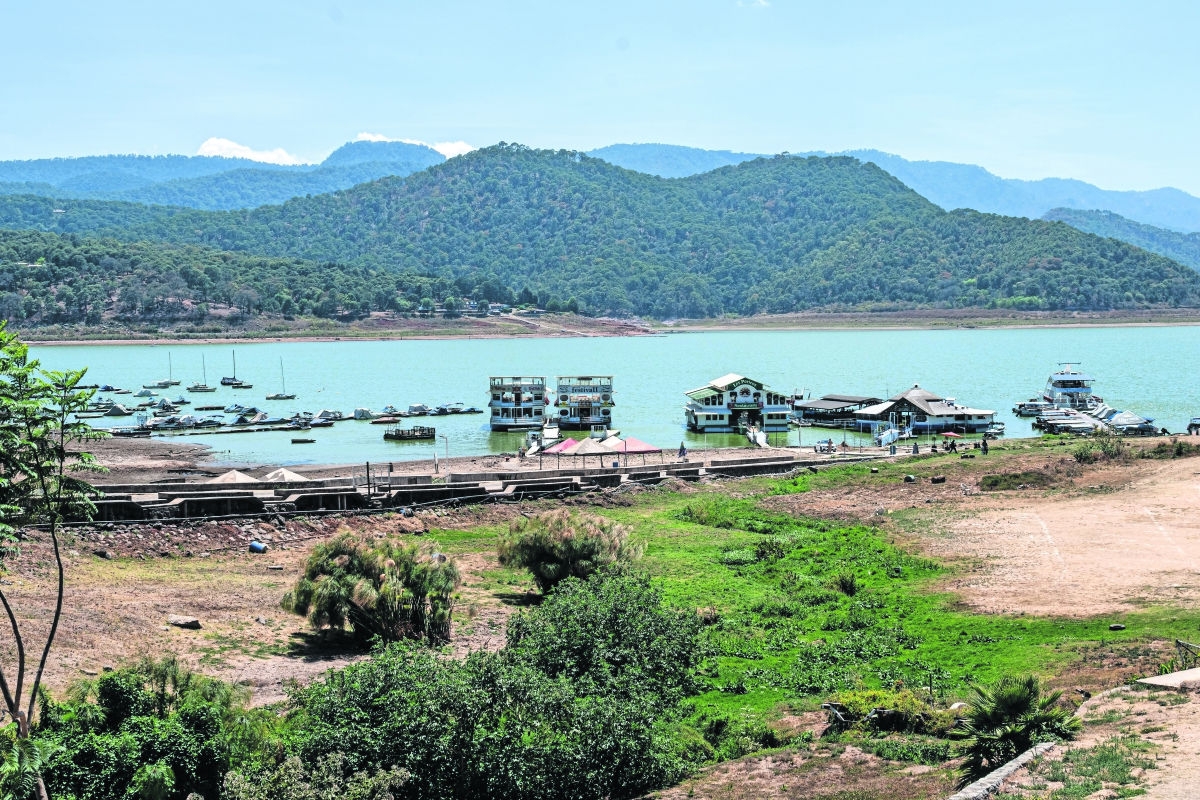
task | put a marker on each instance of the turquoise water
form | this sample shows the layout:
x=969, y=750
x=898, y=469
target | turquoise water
x=1151, y=371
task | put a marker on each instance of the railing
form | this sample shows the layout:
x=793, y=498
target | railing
x=1188, y=654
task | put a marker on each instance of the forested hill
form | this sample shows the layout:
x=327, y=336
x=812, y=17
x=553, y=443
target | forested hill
x=1182, y=247
x=948, y=184
x=775, y=235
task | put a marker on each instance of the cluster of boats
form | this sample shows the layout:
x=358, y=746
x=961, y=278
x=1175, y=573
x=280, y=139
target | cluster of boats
x=1068, y=405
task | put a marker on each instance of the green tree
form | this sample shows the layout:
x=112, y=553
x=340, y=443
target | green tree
x=37, y=432
x=565, y=544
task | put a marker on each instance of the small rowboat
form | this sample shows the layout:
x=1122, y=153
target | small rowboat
x=303, y=441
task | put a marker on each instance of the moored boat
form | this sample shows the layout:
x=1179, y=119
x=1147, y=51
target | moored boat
x=414, y=433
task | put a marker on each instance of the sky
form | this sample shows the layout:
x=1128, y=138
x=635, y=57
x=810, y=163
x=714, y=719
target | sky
x=1100, y=91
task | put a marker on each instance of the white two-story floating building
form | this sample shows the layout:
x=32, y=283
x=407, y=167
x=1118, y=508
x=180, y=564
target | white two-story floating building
x=732, y=403
x=583, y=402
x=517, y=403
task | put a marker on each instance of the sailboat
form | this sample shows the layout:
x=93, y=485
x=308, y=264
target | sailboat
x=234, y=382
x=283, y=395
x=202, y=387
x=170, y=377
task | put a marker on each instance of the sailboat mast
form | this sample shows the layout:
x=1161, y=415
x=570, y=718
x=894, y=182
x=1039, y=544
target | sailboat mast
x=235, y=365
x=282, y=377
x=170, y=373
x=204, y=369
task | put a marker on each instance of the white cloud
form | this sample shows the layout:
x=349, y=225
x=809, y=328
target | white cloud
x=448, y=149
x=230, y=149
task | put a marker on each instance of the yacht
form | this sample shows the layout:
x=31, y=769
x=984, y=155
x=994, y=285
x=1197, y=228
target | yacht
x=234, y=380
x=202, y=386
x=1070, y=389
x=282, y=394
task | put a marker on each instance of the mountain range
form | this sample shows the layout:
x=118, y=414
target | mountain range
x=948, y=184
x=767, y=235
x=210, y=182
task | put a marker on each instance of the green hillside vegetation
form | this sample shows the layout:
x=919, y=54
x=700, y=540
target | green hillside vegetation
x=211, y=183
x=49, y=279
x=947, y=184
x=771, y=235
x=1181, y=247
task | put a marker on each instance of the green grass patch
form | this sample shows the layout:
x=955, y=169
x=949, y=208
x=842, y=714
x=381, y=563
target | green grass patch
x=1015, y=480
x=786, y=633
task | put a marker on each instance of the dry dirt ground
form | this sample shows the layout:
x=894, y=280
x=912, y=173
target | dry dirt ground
x=819, y=770
x=1168, y=721
x=115, y=611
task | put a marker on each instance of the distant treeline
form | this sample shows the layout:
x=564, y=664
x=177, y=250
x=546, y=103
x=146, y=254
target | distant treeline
x=770, y=235
x=46, y=278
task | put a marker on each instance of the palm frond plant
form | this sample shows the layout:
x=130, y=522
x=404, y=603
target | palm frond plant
x=1009, y=717
x=565, y=544
x=386, y=588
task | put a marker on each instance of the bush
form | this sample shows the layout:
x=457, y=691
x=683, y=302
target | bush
x=154, y=730
x=846, y=583
x=1007, y=718
x=613, y=632
x=291, y=780
x=386, y=588
x=565, y=544
x=1101, y=448
x=581, y=703
x=1170, y=450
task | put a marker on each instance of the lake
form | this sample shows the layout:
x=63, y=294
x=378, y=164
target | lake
x=1150, y=371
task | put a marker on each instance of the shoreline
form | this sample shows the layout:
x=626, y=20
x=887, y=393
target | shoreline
x=653, y=332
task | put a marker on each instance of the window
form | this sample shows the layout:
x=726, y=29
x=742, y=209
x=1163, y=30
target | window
x=562, y=398
x=537, y=398
x=495, y=397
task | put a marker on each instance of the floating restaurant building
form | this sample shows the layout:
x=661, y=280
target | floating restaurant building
x=925, y=412
x=732, y=403
x=583, y=402
x=517, y=403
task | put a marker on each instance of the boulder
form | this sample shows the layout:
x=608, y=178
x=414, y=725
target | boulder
x=107, y=555
x=191, y=623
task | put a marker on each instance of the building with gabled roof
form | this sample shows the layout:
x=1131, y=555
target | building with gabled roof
x=926, y=412
x=732, y=403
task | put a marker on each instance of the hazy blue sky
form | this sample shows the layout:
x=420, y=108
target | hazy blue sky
x=1105, y=92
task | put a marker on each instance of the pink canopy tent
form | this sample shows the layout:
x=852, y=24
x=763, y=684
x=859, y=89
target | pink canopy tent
x=565, y=444
x=557, y=449
x=634, y=446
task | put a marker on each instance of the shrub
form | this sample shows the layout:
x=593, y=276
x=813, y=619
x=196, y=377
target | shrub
x=1170, y=450
x=846, y=583
x=1101, y=448
x=385, y=588
x=1007, y=718
x=153, y=730
x=579, y=704
x=614, y=632
x=565, y=544
x=291, y=780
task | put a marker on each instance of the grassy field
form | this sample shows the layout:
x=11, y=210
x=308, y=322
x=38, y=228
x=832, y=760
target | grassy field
x=800, y=609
